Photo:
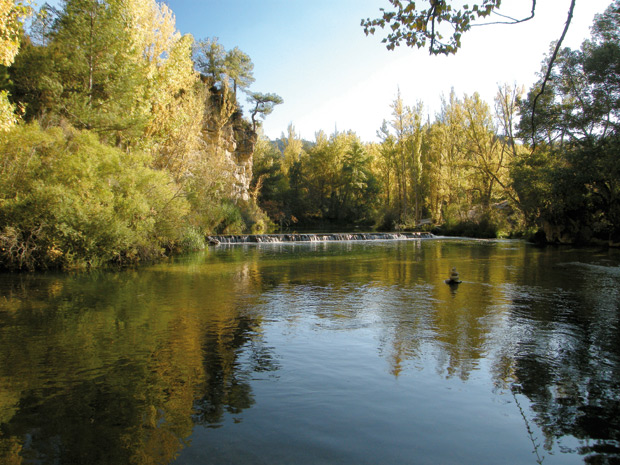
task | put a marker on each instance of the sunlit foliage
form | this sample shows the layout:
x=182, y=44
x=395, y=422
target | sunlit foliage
x=569, y=184
x=67, y=200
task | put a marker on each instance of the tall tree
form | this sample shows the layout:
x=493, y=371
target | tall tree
x=482, y=149
x=449, y=179
x=387, y=161
x=99, y=68
x=400, y=125
x=569, y=183
x=210, y=58
x=415, y=148
x=172, y=87
x=292, y=147
x=239, y=68
x=407, y=124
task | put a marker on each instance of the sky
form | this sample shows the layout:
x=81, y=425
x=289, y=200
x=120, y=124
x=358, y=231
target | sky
x=315, y=55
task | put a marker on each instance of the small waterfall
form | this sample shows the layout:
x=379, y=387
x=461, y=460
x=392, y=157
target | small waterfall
x=279, y=238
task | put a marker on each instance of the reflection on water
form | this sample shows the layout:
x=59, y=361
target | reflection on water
x=317, y=353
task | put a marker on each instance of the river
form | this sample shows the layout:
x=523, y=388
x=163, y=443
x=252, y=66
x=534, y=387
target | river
x=317, y=353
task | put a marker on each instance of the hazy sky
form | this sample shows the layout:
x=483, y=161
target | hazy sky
x=315, y=55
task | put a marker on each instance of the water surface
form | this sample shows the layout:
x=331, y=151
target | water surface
x=338, y=353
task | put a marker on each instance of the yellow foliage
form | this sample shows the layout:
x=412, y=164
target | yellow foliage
x=172, y=86
x=8, y=118
x=10, y=28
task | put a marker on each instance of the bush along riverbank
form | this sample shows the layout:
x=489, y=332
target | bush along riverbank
x=68, y=201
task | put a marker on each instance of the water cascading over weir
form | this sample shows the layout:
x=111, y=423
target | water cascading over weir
x=278, y=238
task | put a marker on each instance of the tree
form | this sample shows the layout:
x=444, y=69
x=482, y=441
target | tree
x=269, y=181
x=292, y=147
x=67, y=200
x=399, y=124
x=214, y=61
x=484, y=153
x=570, y=182
x=238, y=66
x=11, y=14
x=99, y=69
x=263, y=105
x=407, y=161
x=171, y=87
x=360, y=188
x=210, y=58
x=387, y=162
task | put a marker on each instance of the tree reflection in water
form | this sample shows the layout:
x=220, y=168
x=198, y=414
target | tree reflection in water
x=115, y=368
x=99, y=369
x=566, y=358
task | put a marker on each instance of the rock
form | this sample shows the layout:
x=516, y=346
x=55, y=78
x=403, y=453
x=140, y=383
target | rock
x=454, y=277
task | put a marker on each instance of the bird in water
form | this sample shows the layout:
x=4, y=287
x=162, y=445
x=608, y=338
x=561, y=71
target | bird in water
x=454, y=277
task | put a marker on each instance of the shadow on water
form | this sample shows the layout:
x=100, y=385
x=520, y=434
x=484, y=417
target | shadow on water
x=188, y=360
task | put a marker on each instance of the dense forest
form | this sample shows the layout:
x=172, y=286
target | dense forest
x=122, y=140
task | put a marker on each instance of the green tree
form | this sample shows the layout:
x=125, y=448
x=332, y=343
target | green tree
x=210, y=56
x=407, y=155
x=292, y=147
x=213, y=61
x=35, y=82
x=449, y=180
x=239, y=68
x=387, y=162
x=270, y=182
x=360, y=188
x=263, y=105
x=569, y=184
x=98, y=69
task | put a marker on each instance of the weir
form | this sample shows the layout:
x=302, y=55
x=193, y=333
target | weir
x=278, y=238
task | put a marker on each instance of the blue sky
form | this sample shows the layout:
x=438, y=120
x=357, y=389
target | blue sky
x=315, y=55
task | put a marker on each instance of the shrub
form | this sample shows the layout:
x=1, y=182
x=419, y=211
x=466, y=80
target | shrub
x=66, y=200
x=193, y=239
x=255, y=219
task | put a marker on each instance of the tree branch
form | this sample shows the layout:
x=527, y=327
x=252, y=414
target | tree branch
x=550, y=67
x=512, y=20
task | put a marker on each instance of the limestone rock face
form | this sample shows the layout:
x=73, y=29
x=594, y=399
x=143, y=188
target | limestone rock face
x=241, y=158
x=226, y=130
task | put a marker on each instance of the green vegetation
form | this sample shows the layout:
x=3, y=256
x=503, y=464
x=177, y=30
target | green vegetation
x=118, y=139
x=69, y=200
x=120, y=143
x=453, y=170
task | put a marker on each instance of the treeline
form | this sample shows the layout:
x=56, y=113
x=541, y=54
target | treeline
x=474, y=169
x=118, y=135
x=450, y=171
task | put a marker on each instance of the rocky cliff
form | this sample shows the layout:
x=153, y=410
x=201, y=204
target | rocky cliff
x=241, y=158
x=232, y=137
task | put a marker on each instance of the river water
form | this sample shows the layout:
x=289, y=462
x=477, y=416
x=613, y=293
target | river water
x=322, y=353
